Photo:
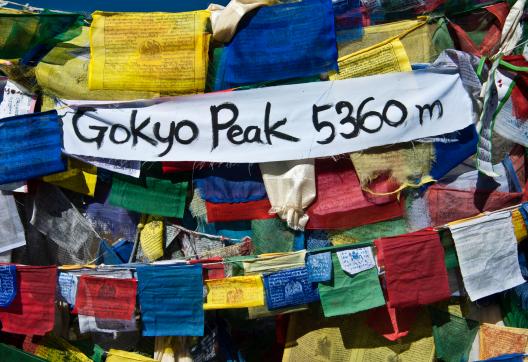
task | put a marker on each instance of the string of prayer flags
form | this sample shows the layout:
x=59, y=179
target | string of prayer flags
x=127, y=52
x=496, y=340
x=149, y=196
x=31, y=146
x=33, y=310
x=487, y=253
x=340, y=202
x=171, y=300
x=453, y=335
x=289, y=288
x=347, y=294
x=415, y=270
x=11, y=229
x=287, y=49
x=319, y=266
x=233, y=184
x=8, y=285
x=290, y=186
x=106, y=298
x=115, y=355
x=234, y=292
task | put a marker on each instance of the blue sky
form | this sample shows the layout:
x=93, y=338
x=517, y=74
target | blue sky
x=123, y=5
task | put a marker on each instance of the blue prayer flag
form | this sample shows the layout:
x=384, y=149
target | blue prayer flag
x=8, y=284
x=30, y=146
x=233, y=184
x=284, y=41
x=171, y=300
x=319, y=267
x=512, y=357
x=288, y=288
x=67, y=288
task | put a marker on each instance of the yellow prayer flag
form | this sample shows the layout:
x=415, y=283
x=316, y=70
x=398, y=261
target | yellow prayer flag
x=80, y=177
x=149, y=51
x=496, y=340
x=519, y=226
x=115, y=355
x=58, y=349
x=387, y=58
x=274, y=262
x=151, y=238
x=235, y=292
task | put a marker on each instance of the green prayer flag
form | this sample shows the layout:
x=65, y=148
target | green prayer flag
x=347, y=294
x=453, y=335
x=271, y=236
x=31, y=36
x=10, y=353
x=369, y=232
x=512, y=313
x=149, y=195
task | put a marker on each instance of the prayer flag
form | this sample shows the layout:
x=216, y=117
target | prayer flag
x=235, y=292
x=33, y=310
x=8, y=285
x=289, y=288
x=171, y=300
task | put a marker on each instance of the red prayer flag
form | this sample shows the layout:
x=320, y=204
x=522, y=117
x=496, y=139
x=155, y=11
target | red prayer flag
x=33, y=310
x=415, y=270
x=341, y=203
x=252, y=210
x=106, y=298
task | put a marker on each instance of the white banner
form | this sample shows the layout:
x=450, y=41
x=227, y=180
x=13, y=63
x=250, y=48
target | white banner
x=272, y=124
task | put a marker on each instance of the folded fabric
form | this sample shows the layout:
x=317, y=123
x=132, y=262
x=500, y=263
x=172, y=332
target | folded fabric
x=80, y=177
x=233, y=184
x=415, y=270
x=33, y=310
x=291, y=189
x=127, y=53
x=340, y=202
x=171, y=299
x=451, y=149
x=496, y=340
x=224, y=20
x=149, y=196
x=197, y=245
x=8, y=285
x=453, y=335
x=347, y=294
x=106, y=298
x=31, y=146
x=289, y=288
x=226, y=212
x=112, y=223
x=307, y=46
x=487, y=254
x=235, y=292
x=406, y=164
x=11, y=230
x=319, y=267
